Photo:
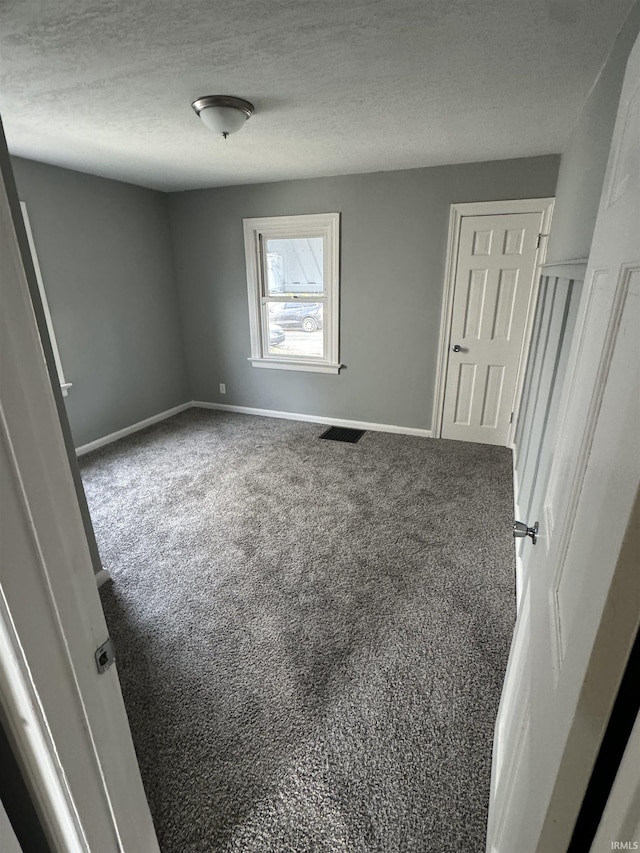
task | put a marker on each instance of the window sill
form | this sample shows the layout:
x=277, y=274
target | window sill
x=308, y=366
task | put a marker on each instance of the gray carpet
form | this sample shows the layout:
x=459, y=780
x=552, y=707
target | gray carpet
x=311, y=636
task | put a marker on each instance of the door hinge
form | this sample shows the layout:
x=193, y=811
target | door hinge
x=540, y=236
x=511, y=418
x=105, y=655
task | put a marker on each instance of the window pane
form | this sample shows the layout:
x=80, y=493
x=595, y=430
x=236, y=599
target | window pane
x=295, y=329
x=294, y=265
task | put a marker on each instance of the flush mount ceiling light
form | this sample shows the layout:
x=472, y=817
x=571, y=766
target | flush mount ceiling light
x=222, y=114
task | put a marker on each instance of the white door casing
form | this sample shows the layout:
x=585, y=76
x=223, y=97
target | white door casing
x=494, y=256
x=582, y=599
x=67, y=723
x=64, y=385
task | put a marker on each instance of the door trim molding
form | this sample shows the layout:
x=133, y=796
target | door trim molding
x=574, y=269
x=66, y=723
x=516, y=515
x=544, y=206
x=27, y=728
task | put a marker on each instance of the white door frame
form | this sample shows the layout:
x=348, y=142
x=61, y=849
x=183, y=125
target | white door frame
x=543, y=206
x=67, y=723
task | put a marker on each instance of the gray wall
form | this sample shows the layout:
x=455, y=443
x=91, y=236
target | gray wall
x=584, y=160
x=105, y=252
x=393, y=244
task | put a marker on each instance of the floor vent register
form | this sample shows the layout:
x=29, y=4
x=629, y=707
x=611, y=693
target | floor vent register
x=343, y=434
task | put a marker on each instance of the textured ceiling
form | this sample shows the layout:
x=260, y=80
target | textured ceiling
x=339, y=86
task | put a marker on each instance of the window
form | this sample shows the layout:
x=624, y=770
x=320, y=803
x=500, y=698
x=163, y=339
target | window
x=293, y=284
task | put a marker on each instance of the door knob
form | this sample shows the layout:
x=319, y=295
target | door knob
x=457, y=348
x=520, y=530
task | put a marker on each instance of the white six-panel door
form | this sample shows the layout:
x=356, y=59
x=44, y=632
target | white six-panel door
x=496, y=261
x=581, y=602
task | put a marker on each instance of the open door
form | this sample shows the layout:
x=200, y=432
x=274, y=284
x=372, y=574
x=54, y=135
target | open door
x=580, y=606
x=67, y=722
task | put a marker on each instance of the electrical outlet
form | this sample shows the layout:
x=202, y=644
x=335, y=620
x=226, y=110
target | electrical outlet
x=223, y=388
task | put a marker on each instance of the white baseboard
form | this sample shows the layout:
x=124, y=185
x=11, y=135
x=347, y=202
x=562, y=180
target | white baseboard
x=247, y=410
x=516, y=517
x=114, y=436
x=316, y=419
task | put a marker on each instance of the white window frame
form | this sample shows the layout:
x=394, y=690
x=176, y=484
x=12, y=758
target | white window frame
x=256, y=232
x=64, y=385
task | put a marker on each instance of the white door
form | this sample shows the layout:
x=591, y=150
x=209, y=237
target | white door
x=67, y=722
x=496, y=261
x=581, y=601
